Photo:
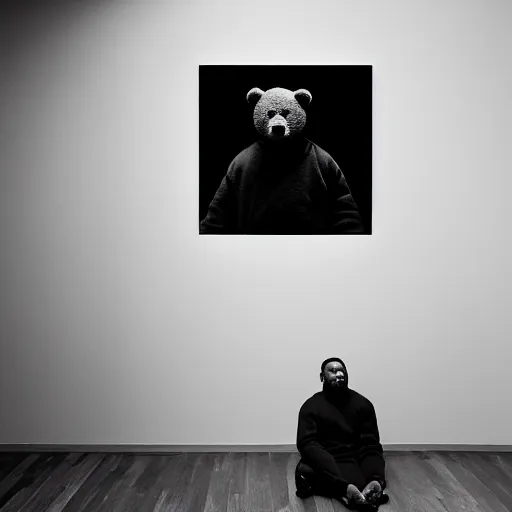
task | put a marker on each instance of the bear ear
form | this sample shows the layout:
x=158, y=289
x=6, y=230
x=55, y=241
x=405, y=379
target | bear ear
x=303, y=97
x=254, y=95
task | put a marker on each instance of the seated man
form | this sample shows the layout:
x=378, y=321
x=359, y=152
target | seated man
x=339, y=443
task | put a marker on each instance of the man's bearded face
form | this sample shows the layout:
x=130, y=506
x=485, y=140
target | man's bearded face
x=334, y=375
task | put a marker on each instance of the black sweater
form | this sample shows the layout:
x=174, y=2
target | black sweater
x=296, y=189
x=342, y=426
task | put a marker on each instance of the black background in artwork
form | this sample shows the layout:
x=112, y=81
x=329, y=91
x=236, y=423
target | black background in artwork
x=339, y=120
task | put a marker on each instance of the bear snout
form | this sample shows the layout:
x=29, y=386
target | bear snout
x=278, y=129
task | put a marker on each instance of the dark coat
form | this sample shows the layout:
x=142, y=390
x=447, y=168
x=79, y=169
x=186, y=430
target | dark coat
x=296, y=190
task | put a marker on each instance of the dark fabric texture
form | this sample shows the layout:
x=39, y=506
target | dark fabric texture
x=338, y=437
x=294, y=188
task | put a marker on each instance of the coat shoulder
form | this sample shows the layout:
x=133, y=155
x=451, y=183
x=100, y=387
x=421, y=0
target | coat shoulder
x=248, y=153
x=321, y=154
x=312, y=401
x=361, y=399
x=244, y=159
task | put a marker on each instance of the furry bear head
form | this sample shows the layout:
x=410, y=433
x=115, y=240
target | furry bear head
x=279, y=114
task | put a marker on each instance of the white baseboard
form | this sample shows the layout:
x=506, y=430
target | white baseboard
x=231, y=448
x=399, y=447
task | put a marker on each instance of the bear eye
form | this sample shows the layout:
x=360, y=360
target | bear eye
x=285, y=112
x=271, y=113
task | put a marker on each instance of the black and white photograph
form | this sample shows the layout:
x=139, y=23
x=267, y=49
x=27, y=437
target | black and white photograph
x=285, y=149
x=182, y=329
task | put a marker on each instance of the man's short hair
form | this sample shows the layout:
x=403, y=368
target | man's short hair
x=330, y=360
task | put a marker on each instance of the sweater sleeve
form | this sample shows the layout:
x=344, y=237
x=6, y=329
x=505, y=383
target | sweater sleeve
x=345, y=217
x=307, y=431
x=312, y=451
x=221, y=216
x=369, y=430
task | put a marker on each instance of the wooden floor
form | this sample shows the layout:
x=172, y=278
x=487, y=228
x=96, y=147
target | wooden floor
x=236, y=482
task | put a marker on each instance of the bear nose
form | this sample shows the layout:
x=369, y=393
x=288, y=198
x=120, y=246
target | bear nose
x=278, y=130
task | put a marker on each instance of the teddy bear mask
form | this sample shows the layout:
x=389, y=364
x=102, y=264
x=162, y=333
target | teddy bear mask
x=279, y=114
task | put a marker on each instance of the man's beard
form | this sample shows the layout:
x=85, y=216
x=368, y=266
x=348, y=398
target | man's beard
x=338, y=388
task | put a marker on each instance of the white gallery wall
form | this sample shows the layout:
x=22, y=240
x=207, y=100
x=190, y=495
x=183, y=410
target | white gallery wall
x=120, y=324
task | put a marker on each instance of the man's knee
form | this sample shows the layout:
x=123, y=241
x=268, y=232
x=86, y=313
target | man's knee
x=304, y=480
x=304, y=475
x=304, y=469
x=309, y=482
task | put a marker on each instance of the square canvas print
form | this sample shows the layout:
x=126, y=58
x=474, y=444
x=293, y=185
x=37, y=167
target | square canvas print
x=285, y=150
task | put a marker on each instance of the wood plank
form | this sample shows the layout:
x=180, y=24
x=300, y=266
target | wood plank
x=96, y=484
x=176, y=474
x=296, y=504
x=121, y=491
x=17, y=473
x=218, y=491
x=195, y=493
x=453, y=495
x=102, y=497
x=133, y=488
x=323, y=504
x=490, y=476
x=506, y=459
x=392, y=485
x=29, y=475
x=494, y=461
x=173, y=493
x=236, y=491
x=257, y=482
x=52, y=487
x=486, y=499
x=309, y=504
x=278, y=463
x=237, y=480
x=338, y=506
x=410, y=486
x=170, y=466
x=144, y=485
x=500, y=462
x=9, y=461
x=73, y=480
x=35, y=476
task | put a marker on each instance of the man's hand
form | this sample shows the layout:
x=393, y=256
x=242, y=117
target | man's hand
x=372, y=492
x=354, y=495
